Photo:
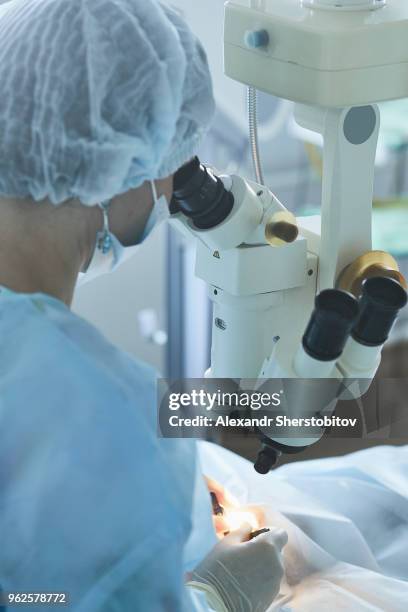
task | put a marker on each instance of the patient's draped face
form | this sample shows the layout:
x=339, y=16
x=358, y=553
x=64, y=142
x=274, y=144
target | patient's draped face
x=229, y=514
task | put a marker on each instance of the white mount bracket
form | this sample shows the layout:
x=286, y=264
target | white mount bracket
x=350, y=143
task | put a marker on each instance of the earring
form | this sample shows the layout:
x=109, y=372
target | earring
x=105, y=238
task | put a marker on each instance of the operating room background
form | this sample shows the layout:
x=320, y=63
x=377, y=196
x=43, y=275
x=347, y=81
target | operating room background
x=155, y=309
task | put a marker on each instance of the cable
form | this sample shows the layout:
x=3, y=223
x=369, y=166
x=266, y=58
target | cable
x=253, y=134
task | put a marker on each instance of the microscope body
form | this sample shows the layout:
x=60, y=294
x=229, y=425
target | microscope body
x=264, y=268
x=251, y=286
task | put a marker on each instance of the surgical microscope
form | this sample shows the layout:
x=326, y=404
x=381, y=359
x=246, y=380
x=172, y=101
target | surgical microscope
x=304, y=297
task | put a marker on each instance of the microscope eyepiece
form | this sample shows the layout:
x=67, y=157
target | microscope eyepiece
x=330, y=325
x=200, y=195
x=381, y=301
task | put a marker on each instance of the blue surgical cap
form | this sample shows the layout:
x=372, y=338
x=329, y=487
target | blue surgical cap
x=97, y=96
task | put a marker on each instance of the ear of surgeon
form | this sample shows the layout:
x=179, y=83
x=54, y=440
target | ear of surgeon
x=125, y=227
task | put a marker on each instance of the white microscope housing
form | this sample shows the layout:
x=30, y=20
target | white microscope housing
x=327, y=53
x=264, y=267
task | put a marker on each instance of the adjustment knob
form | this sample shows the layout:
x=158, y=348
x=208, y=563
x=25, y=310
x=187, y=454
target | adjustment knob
x=281, y=228
x=256, y=39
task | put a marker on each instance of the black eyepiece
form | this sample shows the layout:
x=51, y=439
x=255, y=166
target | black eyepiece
x=330, y=325
x=381, y=301
x=201, y=195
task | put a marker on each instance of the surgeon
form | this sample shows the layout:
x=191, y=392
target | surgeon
x=101, y=102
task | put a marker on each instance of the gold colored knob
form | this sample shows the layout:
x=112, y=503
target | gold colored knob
x=281, y=229
x=369, y=265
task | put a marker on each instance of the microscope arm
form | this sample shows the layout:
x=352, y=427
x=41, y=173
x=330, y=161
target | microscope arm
x=350, y=137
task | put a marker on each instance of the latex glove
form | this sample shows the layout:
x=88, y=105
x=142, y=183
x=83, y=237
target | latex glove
x=246, y=575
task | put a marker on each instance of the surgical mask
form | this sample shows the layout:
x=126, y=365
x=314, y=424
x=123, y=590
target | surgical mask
x=109, y=252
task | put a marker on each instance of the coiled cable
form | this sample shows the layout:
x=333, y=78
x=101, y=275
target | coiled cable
x=252, y=98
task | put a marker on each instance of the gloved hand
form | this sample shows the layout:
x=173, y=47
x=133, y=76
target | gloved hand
x=246, y=575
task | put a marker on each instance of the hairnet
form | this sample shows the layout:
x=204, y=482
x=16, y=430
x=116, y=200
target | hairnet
x=97, y=97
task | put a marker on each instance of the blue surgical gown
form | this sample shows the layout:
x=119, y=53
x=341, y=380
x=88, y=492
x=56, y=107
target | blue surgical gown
x=92, y=502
